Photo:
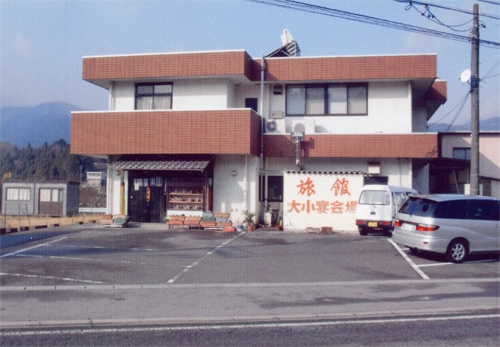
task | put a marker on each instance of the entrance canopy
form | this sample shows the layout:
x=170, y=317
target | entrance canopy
x=169, y=165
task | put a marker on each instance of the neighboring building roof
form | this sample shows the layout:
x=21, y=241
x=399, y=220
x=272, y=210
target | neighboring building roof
x=40, y=182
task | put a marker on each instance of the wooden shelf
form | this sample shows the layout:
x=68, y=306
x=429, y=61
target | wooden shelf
x=183, y=199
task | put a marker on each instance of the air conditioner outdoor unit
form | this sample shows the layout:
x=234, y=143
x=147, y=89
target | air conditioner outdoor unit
x=303, y=125
x=271, y=126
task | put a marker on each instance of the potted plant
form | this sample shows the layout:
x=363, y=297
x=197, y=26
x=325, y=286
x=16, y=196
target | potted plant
x=249, y=219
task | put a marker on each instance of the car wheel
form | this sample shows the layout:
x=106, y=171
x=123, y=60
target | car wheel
x=363, y=232
x=457, y=251
x=413, y=250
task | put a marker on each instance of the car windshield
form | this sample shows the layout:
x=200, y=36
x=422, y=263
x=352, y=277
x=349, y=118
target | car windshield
x=419, y=207
x=374, y=197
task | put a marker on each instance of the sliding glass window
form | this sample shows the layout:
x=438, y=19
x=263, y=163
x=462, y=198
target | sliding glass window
x=153, y=96
x=329, y=99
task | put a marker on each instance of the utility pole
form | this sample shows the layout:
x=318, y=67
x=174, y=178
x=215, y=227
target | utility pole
x=474, y=155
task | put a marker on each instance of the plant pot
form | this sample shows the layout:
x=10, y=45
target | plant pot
x=250, y=227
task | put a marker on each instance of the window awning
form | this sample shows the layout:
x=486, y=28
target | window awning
x=170, y=165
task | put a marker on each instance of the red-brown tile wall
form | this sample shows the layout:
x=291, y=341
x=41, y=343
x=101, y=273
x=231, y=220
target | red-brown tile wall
x=277, y=69
x=167, y=65
x=166, y=132
x=355, y=146
x=437, y=92
x=351, y=68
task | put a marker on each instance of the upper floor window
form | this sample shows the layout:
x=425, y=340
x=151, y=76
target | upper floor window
x=153, y=96
x=329, y=99
x=461, y=153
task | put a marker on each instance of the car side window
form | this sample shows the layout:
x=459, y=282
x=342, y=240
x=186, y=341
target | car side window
x=451, y=209
x=482, y=210
x=419, y=207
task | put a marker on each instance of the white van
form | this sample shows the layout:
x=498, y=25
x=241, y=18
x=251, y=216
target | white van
x=378, y=205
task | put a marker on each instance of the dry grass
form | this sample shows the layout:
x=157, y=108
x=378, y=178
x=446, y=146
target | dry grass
x=34, y=221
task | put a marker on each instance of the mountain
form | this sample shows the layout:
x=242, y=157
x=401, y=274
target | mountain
x=490, y=124
x=45, y=123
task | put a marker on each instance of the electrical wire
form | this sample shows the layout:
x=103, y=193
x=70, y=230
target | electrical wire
x=430, y=16
x=460, y=107
x=301, y=6
x=481, y=14
x=487, y=74
x=490, y=2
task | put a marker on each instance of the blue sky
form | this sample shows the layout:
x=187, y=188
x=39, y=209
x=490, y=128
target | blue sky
x=42, y=42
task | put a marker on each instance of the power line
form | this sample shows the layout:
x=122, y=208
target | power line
x=490, y=2
x=481, y=14
x=429, y=15
x=301, y=6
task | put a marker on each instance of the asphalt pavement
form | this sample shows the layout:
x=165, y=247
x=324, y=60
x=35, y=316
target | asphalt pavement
x=87, y=275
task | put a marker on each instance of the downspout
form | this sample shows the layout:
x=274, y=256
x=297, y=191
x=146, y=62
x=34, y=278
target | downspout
x=263, y=126
x=245, y=185
x=262, y=78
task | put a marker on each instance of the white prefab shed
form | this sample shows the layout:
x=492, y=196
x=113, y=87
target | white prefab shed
x=40, y=198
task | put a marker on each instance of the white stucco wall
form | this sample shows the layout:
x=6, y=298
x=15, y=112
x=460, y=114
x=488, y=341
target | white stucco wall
x=113, y=191
x=189, y=94
x=202, y=94
x=233, y=194
x=389, y=111
x=122, y=96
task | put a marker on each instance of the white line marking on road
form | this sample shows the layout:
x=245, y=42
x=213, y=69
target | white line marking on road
x=435, y=264
x=274, y=324
x=195, y=263
x=30, y=248
x=407, y=258
x=50, y=278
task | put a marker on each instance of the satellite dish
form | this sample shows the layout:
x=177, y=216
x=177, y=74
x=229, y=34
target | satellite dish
x=465, y=76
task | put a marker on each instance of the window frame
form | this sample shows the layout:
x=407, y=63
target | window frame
x=465, y=150
x=303, y=104
x=275, y=180
x=51, y=195
x=18, y=194
x=152, y=95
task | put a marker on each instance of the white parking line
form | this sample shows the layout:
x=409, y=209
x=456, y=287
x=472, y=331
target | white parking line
x=189, y=267
x=66, y=279
x=407, y=258
x=30, y=248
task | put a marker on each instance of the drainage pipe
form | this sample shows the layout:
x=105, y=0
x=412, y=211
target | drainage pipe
x=263, y=119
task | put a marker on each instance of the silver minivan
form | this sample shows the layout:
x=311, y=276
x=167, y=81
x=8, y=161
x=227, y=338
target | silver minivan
x=450, y=224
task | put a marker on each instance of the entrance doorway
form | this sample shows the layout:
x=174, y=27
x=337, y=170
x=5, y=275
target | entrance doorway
x=154, y=195
x=146, y=197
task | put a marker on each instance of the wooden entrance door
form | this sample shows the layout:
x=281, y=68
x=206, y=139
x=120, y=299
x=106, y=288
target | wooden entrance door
x=146, y=199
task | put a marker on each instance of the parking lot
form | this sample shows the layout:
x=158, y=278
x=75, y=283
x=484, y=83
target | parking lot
x=153, y=255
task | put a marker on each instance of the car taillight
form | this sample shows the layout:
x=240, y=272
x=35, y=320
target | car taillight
x=360, y=222
x=426, y=227
x=385, y=223
x=398, y=223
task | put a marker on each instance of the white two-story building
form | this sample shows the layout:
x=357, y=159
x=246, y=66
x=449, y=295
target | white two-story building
x=221, y=131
